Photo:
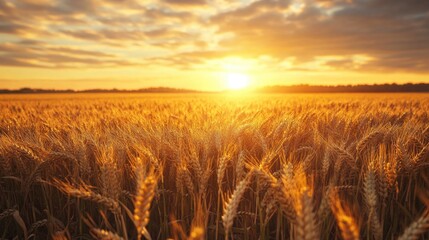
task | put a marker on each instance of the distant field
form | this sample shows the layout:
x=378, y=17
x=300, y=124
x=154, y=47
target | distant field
x=214, y=166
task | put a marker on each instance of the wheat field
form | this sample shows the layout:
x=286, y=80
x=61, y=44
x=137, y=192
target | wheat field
x=214, y=166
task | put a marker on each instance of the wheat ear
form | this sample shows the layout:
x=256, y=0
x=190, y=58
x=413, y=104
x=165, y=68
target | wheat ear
x=231, y=205
x=144, y=194
x=197, y=233
x=7, y=213
x=105, y=235
x=307, y=228
x=371, y=200
x=84, y=192
x=417, y=228
x=348, y=227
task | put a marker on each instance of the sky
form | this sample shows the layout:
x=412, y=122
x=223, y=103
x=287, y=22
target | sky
x=200, y=44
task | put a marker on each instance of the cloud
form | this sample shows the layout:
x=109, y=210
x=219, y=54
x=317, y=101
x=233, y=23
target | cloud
x=389, y=31
x=362, y=35
x=11, y=28
x=186, y=2
x=39, y=54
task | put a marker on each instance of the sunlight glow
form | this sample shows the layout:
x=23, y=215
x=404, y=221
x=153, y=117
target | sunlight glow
x=237, y=81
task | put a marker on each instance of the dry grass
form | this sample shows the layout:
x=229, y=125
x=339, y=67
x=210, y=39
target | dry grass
x=214, y=166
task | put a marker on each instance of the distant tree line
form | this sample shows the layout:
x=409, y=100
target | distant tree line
x=143, y=90
x=409, y=87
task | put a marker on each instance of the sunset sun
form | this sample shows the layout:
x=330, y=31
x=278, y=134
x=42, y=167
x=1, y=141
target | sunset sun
x=237, y=81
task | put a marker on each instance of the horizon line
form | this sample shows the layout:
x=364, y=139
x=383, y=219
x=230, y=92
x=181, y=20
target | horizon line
x=386, y=87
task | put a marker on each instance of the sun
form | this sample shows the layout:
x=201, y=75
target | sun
x=237, y=81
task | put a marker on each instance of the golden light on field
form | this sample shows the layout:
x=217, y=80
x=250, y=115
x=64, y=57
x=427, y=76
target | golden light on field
x=237, y=81
x=181, y=154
